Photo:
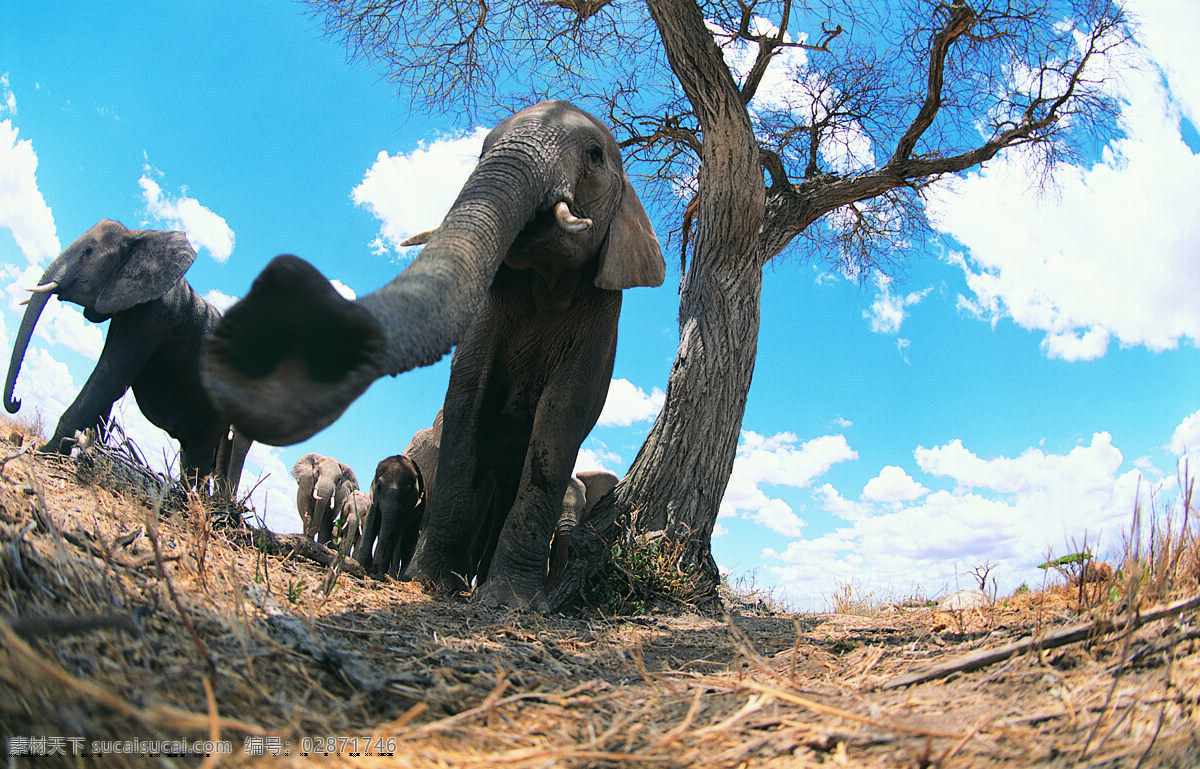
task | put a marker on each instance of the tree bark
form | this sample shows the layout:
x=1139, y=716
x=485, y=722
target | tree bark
x=678, y=479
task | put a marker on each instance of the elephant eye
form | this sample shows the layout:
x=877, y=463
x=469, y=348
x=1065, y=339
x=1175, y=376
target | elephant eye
x=595, y=155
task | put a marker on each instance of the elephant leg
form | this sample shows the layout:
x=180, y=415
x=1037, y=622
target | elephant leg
x=517, y=570
x=367, y=541
x=443, y=553
x=325, y=528
x=494, y=502
x=198, y=456
x=408, y=545
x=231, y=457
x=122, y=359
x=567, y=408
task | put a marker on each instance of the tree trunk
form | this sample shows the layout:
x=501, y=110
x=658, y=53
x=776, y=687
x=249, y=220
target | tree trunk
x=679, y=477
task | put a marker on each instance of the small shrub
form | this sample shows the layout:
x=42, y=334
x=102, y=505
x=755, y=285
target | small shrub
x=641, y=575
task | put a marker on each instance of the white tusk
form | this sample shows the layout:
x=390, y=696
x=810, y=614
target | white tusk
x=569, y=221
x=44, y=288
x=420, y=239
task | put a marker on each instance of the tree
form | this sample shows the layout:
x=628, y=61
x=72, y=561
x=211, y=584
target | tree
x=783, y=145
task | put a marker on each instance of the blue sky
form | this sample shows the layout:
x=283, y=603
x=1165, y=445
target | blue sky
x=1030, y=372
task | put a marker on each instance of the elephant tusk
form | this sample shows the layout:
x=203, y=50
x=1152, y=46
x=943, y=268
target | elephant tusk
x=420, y=239
x=43, y=288
x=569, y=221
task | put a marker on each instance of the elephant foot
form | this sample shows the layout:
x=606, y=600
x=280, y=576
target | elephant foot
x=445, y=584
x=498, y=592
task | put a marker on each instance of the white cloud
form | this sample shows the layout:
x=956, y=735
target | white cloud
x=832, y=501
x=893, y=484
x=887, y=312
x=777, y=90
x=47, y=390
x=627, y=403
x=203, y=228
x=777, y=515
x=1186, y=438
x=220, y=299
x=23, y=211
x=1010, y=511
x=268, y=480
x=1168, y=30
x=411, y=193
x=343, y=289
x=599, y=458
x=778, y=461
x=1085, y=467
x=1112, y=254
x=9, y=98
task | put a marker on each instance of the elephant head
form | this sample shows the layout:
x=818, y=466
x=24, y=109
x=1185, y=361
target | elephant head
x=549, y=194
x=107, y=270
x=584, y=490
x=398, y=497
x=323, y=485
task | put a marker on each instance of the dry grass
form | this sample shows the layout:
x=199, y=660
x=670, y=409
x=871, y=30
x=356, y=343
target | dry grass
x=120, y=622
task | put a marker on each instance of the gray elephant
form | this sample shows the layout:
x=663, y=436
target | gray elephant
x=158, y=323
x=350, y=518
x=398, y=504
x=525, y=276
x=584, y=490
x=323, y=486
x=423, y=450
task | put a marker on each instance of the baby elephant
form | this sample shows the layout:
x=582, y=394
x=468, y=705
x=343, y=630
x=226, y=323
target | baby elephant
x=324, y=484
x=351, y=517
x=396, y=514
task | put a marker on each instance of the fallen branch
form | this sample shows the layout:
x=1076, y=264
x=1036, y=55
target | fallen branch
x=31, y=627
x=285, y=545
x=80, y=540
x=1068, y=635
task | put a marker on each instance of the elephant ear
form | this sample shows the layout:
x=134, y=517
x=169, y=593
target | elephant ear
x=304, y=465
x=630, y=256
x=150, y=263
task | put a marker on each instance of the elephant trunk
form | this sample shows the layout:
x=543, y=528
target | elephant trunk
x=47, y=286
x=290, y=357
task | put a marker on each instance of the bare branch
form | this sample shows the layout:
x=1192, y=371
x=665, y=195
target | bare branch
x=958, y=23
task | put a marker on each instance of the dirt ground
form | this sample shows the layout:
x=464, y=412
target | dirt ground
x=119, y=624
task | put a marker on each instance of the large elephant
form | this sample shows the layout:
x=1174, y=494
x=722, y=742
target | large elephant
x=423, y=449
x=525, y=275
x=158, y=324
x=323, y=483
x=583, y=492
x=398, y=505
